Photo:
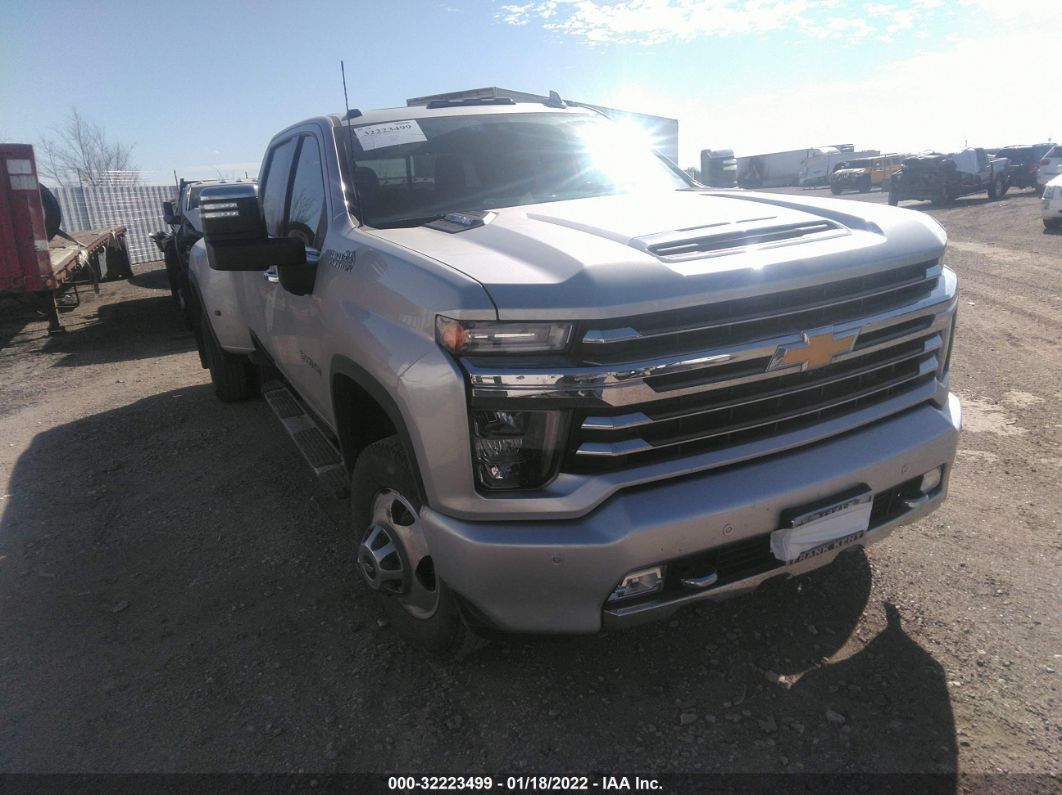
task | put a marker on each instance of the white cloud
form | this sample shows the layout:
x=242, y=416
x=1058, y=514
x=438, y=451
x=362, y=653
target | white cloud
x=650, y=22
x=658, y=21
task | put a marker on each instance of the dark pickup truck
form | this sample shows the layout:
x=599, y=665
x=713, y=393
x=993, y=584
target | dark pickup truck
x=941, y=178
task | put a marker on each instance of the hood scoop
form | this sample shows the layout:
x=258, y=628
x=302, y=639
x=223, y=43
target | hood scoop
x=731, y=238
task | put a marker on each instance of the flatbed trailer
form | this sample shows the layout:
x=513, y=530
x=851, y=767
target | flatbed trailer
x=38, y=261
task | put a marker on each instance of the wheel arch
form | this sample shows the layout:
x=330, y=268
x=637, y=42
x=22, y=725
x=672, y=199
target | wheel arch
x=365, y=412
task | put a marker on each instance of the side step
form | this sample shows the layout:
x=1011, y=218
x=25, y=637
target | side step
x=319, y=453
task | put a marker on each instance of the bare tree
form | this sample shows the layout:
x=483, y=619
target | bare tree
x=80, y=153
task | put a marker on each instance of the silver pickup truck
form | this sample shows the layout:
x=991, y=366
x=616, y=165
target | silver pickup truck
x=568, y=388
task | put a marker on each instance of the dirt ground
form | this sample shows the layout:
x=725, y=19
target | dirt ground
x=177, y=592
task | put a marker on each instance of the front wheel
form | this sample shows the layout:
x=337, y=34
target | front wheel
x=864, y=184
x=234, y=377
x=1053, y=223
x=894, y=197
x=993, y=189
x=393, y=557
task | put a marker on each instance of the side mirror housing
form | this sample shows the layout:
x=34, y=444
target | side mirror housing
x=235, y=232
x=168, y=213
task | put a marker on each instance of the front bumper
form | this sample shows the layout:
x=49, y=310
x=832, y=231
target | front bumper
x=555, y=576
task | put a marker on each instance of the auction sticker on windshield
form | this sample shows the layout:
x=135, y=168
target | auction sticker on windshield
x=394, y=133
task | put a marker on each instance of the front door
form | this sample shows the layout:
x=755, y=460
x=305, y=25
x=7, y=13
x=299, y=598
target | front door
x=296, y=321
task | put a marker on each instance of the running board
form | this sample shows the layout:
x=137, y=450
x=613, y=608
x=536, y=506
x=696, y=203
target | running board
x=319, y=453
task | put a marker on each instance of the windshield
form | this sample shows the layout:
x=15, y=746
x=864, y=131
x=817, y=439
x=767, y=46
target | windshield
x=410, y=172
x=859, y=164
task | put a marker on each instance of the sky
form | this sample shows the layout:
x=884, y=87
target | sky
x=200, y=87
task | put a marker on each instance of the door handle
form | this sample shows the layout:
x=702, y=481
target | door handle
x=271, y=275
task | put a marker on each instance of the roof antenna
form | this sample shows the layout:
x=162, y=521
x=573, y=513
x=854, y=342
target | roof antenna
x=555, y=101
x=351, y=114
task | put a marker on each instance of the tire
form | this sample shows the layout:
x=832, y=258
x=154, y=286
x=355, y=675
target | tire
x=993, y=190
x=235, y=377
x=117, y=259
x=1053, y=223
x=894, y=197
x=384, y=507
x=173, y=271
x=835, y=190
x=53, y=213
x=864, y=184
x=1004, y=186
x=942, y=198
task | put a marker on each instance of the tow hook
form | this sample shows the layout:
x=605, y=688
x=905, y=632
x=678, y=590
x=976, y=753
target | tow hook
x=699, y=583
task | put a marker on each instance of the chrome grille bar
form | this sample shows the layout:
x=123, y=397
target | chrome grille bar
x=631, y=446
x=605, y=337
x=632, y=384
x=639, y=419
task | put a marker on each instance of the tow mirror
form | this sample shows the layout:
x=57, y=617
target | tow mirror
x=235, y=232
x=168, y=214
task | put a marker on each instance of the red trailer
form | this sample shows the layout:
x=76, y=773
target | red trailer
x=39, y=261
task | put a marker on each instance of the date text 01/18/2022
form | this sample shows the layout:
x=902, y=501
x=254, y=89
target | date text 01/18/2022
x=521, y=783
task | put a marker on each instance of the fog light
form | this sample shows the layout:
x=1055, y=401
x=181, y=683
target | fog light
x=932, y=479
x=639, y=583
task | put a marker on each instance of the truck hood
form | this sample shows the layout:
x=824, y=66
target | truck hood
x=613, y=256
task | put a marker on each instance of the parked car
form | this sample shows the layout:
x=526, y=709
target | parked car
x=822, y=161
x=565, y=387
x=1051, y=204
x=942, y=178
x=865, y=173
x=1023, y=164
x=1050, y=166
x=182, y=216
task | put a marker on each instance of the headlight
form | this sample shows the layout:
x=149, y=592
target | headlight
x=490, y=336
x=516, y=449
x=1049, y=192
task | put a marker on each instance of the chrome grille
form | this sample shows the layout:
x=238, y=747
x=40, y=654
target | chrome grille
x=741, y=378
x=732, y=415
x=757, y=317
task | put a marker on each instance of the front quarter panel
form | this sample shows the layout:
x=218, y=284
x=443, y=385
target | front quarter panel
x=379, y=301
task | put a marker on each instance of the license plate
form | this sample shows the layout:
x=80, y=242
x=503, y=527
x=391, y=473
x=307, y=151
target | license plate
x=815, y=530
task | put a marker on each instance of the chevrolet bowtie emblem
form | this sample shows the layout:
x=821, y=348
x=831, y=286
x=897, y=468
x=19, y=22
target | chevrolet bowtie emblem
x=816, y=350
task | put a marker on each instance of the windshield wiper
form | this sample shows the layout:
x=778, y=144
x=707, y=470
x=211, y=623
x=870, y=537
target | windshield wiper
x=452, y=221
x=396, y=223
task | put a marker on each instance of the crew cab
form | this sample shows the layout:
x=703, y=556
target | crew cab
x=569, y=388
